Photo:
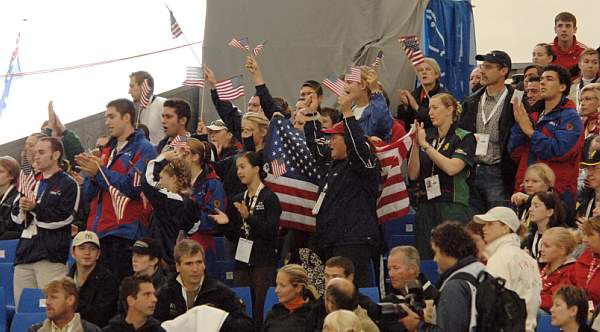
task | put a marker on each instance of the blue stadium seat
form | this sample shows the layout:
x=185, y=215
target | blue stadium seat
x=270, y=300
x=32, y=300
x=401, y=240
x=220, y=247
x=8, y=249
x=371, y=292
x=246, y=296
x=23, y=321
x=371, y=275
x=430, y=269
x=544, y=324
x=3, y=317
x=223, y=271
x=6, y=282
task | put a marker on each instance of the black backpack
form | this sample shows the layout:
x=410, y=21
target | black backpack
x=498, y=309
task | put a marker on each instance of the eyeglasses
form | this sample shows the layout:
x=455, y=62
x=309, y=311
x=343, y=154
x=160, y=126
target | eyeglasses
x=588, y=98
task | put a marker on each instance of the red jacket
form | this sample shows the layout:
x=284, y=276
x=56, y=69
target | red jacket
x=551, y=282
x=570, y=58
x=579, y=274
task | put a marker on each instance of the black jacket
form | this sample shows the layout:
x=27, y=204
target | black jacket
x=8, y=202
x=263, y=228
x=279, y=319
x=409, y=115
x=97, y=296
x=348, y=214
x=468, y=121
x=53, y=215
x=118, y=324
x=87, y=327
x=171, y=303
x=318, y=312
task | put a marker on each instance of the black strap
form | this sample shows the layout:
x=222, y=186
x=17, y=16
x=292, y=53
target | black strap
x=467, y=277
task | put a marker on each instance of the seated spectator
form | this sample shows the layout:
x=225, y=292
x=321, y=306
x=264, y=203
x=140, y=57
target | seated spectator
x=589, y=64
x=403, y=265
x=145, y=260
x=295, y=299
x=475, y=80
x=61, y=301
x=589, y=108
x=139, y=294
x=191, y=287
x=584, y=274
x=220, y=136
x=546, y=211
x=440, y=163
x=341, y=294
x=342, y=321
x=415, y=105
x=455, y=252
x=9, y=175
x=570, y=310
x=98, y=289
x=538, y=178
x=501, y=231
x=555, y=250
x=338, y=267
x=543, y=55
x=328, y=117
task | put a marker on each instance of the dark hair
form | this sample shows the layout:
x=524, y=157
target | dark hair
x=340, y=298
x=565, y=17
x=549, y=51
x=564, y=77
x=256, y=160
x=551, y=200
x=453, y=240
x=313, y=85
x=539, y=69
x=182, y=109
x=533, y=79
x=55, y=145
x=144, y=129
x=343, y=262
x=283, y=106
x=574, y=296
x=130, y=286
x=332, y=113
x=140, y=76
x=124, y=106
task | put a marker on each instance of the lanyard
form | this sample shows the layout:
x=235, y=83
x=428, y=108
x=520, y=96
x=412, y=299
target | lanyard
x=591, y=271
x=251, y=205
x=6, y=193
x=437, y=145
x=482, y=102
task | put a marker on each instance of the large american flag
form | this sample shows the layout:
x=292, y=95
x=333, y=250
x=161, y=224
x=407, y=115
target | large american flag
x=412, y=50
x=175, y=29
x=354, y=74
x=230, y=89
x=119, y=201
x=26, y=184
x=146, y=94
x=242, y=43
x=297, y=187
x=194, y=76
x=258, y=49
x=335, y=84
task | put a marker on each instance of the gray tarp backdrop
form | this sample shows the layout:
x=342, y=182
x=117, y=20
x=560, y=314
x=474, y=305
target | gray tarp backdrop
x=310, y=39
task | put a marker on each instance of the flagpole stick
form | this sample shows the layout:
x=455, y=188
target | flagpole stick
x=423, y=85
x=187, y=41
x=102, y=173
x=201, y=117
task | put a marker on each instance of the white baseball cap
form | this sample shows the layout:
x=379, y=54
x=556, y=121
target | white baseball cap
x=85, y=237
x=502, y=214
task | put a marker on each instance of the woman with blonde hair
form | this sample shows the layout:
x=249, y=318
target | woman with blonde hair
x=538, y=177
x=342, y=321
x=589, y=107
x=438, y=167
x=9, y=174
x=295, y=296
x=556, y=246
x=585, y=273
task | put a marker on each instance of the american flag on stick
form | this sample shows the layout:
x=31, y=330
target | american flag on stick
x=354, y=74
x=230, y=89
x=242, y=43
x=194, y=76
x=26, y=184
x=335, y=84
x=412, y=50
x=258, y=49
x=179, y=141
x=146, y=94
x=175, y=29
x=378, y=59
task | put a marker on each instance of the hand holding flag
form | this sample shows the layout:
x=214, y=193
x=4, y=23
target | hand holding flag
x=258, y=49
x=335, y=84
x=378, y=60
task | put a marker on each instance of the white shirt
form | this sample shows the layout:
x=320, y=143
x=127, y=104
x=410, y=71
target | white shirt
x=151, y=117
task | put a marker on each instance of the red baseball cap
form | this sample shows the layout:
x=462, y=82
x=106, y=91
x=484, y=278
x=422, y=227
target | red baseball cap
x=337, y=128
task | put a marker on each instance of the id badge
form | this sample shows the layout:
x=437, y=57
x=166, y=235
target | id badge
x=483, y=141
x=243, y=251
x=432, y=185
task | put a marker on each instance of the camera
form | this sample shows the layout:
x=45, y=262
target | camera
x=392, y=312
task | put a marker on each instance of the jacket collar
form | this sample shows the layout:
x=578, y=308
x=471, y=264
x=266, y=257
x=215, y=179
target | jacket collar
x=564, y=104
x=459, y=265
x=505, y=240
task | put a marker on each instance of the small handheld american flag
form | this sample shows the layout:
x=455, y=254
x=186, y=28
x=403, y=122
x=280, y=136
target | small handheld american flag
x=175, y=29
x=230, y=89
x=354, y=74
x=146, y=94
x=179, y=141
x=335, y=84
x=26, y=184
x=412, y=50
x=119, y=201
x=258, y=49
x=241, y=43
x=378, y=59
x=194, y=76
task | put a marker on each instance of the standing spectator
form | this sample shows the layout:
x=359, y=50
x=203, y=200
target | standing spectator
x=342, y=321
x=29, y=151
x=501, y=231
x=191, y=287
x=475, y=80
x=565, y=45
x=584, y=274
x=139, y=294
x=341, y=294
x=440, y=162
x=346, y=218
x=220, y=136
x=251, y=224
x=9, y=197
x=488, y=114
x=590, y=166
x=175, y=116
x=546, y=211
x=533, y=92
x=146, y=256
x=98, y=289
x=295, y=298
x=570, y=310
x=556, y=139
x=557, y=244
x=151, y=115
x=589, y=109
x=61, y=300
x=543, y=54
x=589, y=64
x=45, y=221
x=126, y=154
x=70, y=140
x=538, y=177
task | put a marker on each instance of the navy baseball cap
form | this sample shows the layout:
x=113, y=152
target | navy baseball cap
x=498, y=57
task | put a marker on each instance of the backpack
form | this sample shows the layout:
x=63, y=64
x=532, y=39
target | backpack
x=498, y=308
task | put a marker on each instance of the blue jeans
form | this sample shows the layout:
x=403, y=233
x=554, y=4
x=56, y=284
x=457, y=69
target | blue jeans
x=487, y=189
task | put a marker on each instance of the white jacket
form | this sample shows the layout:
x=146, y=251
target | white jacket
x=152, y=118
x=508, y=261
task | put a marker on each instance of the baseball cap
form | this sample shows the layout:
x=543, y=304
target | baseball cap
x=337, y=128
x=498, y=57
x=502, y=214
x=147, y=246
x=85, y=237
x=217, y=125
x=590, y=157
